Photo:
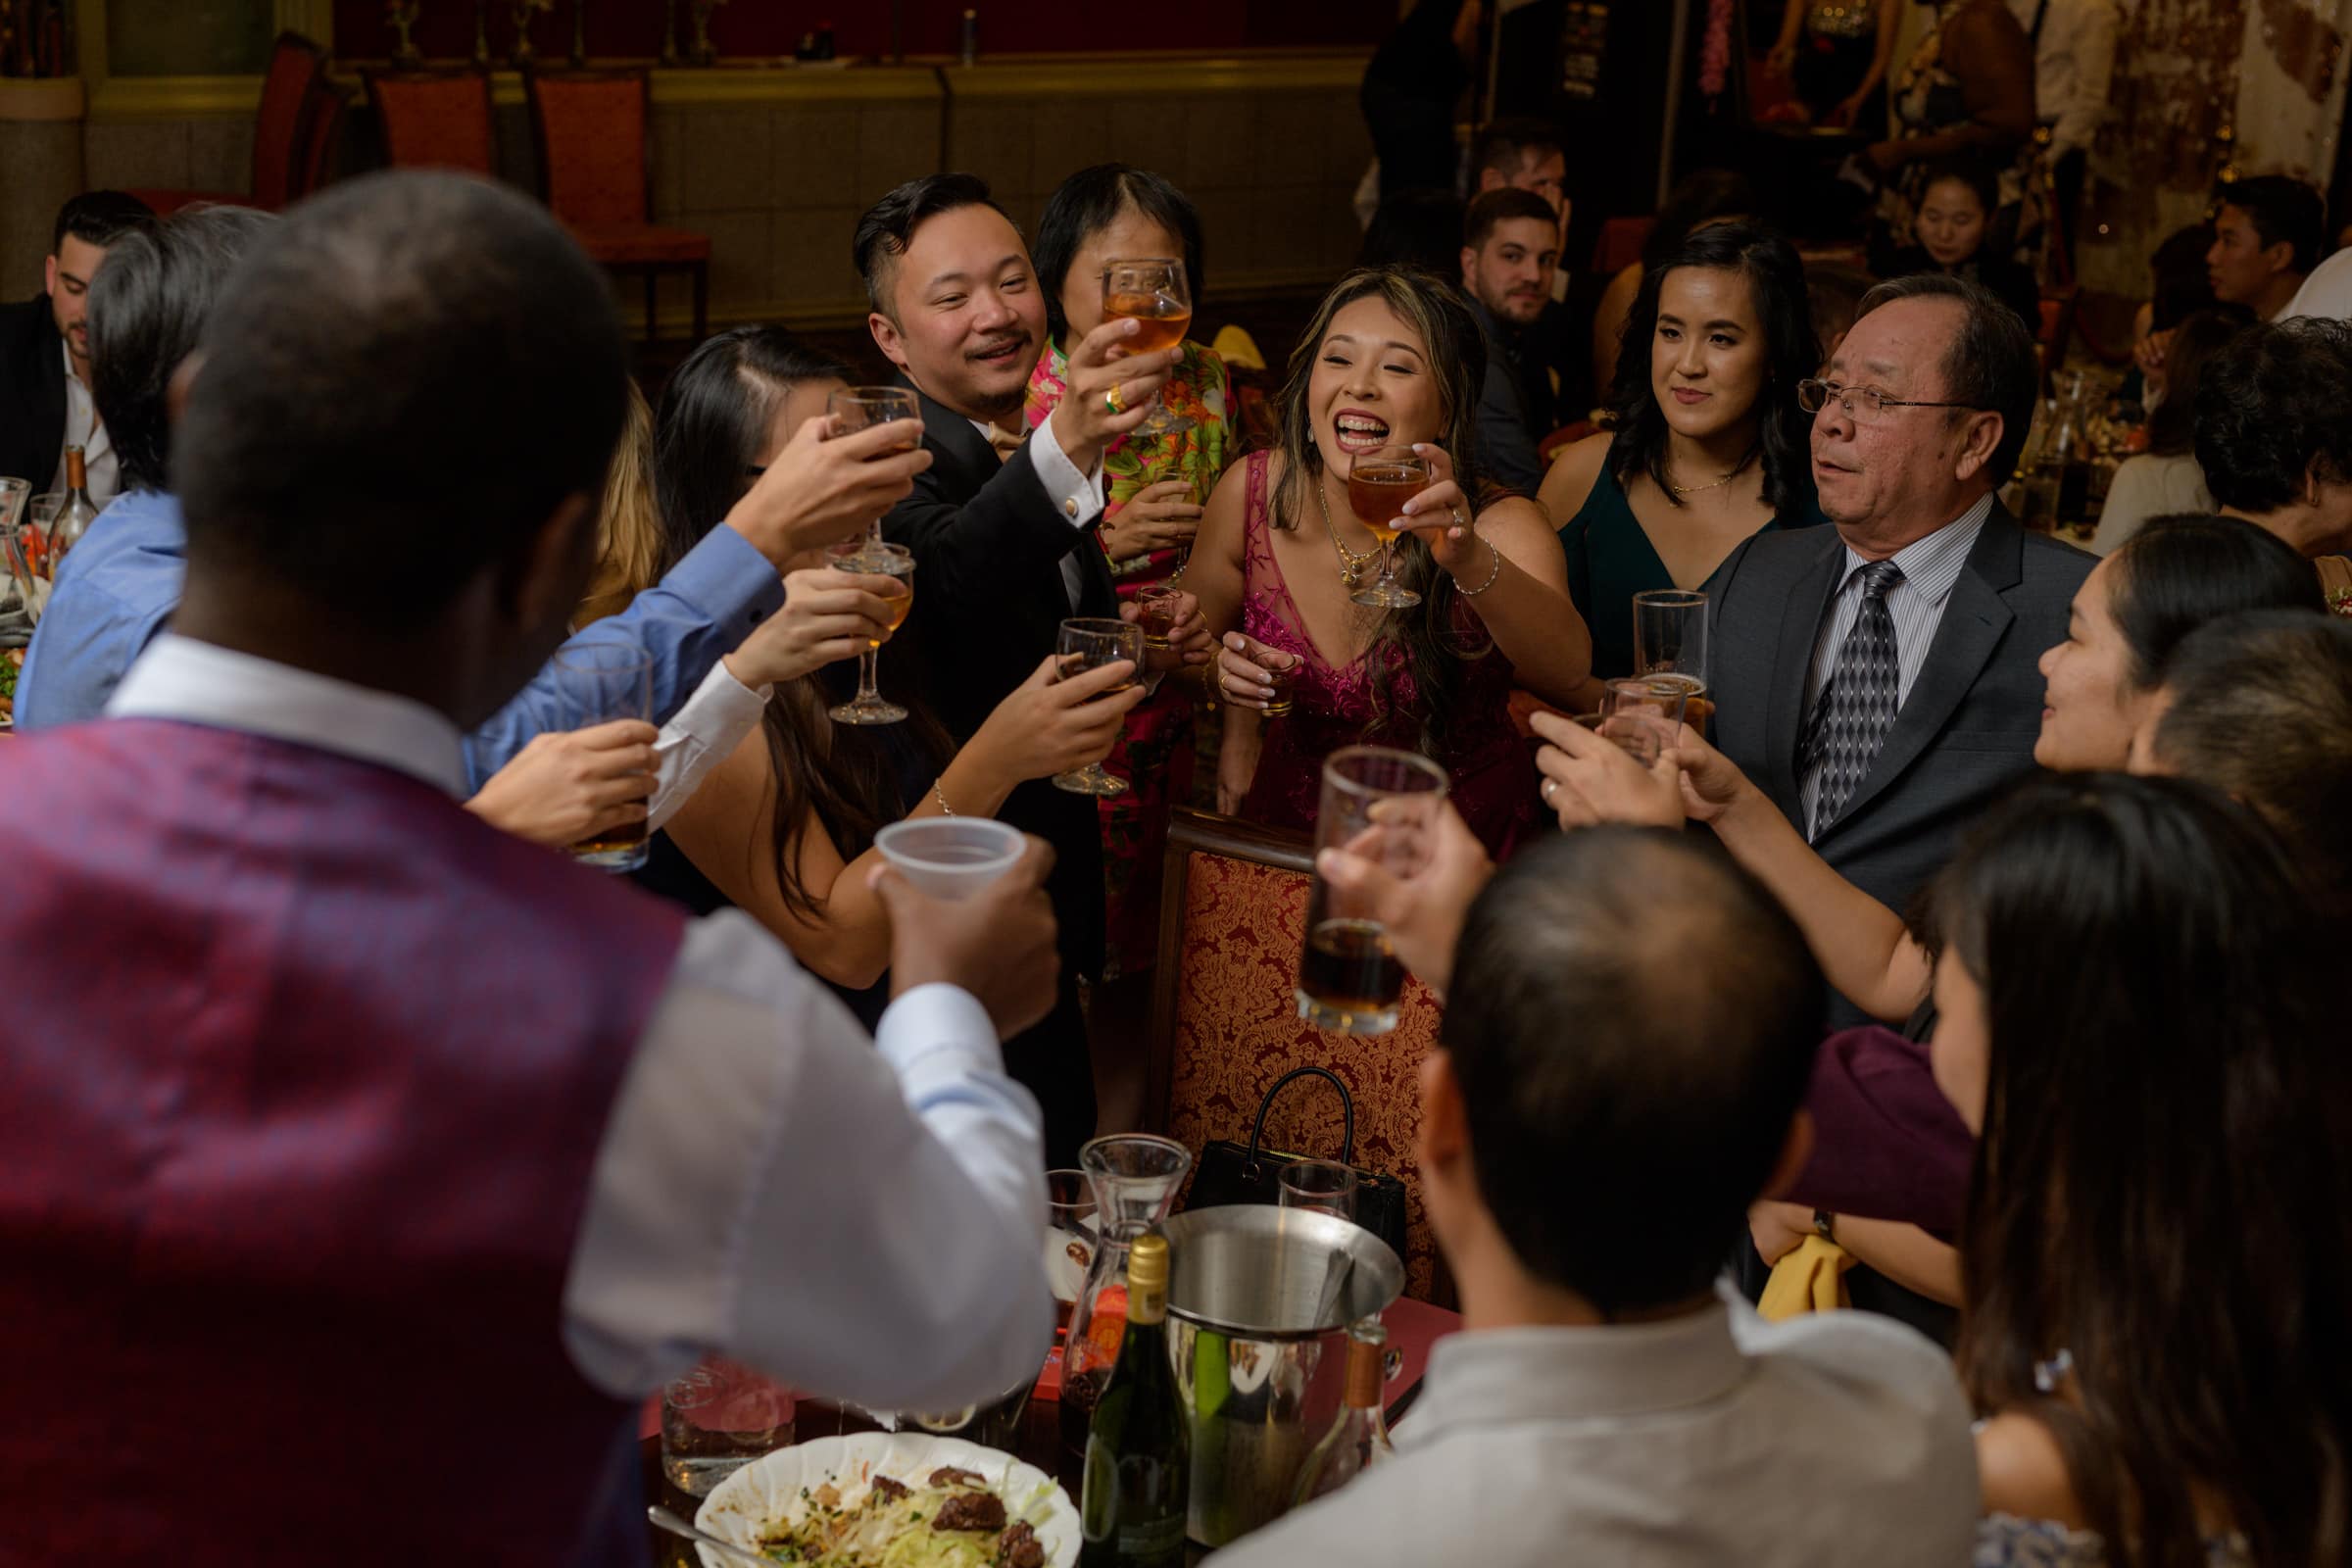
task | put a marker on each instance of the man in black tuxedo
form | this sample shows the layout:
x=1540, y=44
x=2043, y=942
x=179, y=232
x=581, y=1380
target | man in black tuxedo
x=1879, y=679
x=45, y=401
x=1004, y=546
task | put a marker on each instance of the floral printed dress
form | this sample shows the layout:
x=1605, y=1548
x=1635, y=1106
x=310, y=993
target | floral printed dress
x=1155, y=752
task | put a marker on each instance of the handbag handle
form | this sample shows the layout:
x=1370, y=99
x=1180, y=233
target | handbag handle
x=1257, y=1129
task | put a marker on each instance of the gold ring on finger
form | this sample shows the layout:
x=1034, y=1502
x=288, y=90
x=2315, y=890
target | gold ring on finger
x=1115, y=400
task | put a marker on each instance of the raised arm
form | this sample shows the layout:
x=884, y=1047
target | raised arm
x=1512, y=575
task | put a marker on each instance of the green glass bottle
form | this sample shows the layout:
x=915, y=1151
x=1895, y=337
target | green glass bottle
x=1139, y=1448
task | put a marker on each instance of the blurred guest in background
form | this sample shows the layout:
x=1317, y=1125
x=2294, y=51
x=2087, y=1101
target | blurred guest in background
x=1602, y=1393
x=2180, y=283
x=1510, y=253
x=1835, y=54
x=1555, y=356
x=1414, y=81
x=1522, y=154
x=1967, y=88
x=1710, y=445
x=1392, y=359
x=45, y=400
x=2271, y=439
x=1834, y=291
x=2073, y=68
x=1419, y=228
x=1702, y=197
x=2267, y=237
x=1957, y=197
x=2166, y=478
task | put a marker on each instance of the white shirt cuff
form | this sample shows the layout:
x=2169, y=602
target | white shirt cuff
x=702, y=734
x=1077, y=496
x=934, y=1038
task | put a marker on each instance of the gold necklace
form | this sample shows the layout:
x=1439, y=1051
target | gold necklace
x=1694, y=489
x=1351, y=565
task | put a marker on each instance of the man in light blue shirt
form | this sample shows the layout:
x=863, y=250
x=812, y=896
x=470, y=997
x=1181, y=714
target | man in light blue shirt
x=115, y=592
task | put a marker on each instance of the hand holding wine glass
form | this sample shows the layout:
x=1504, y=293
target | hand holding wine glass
x=853, y=409
x=1382, y=483
x=829, y=615
x=1092, y=644
x=822, y=489
x=1110, y=390
x=895, y=562
x=1055, y=723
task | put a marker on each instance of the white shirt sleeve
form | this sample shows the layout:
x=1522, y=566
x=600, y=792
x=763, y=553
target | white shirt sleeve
x=2093, y=49
x=1077, y=496
x=858, y=1219
x=700, y=736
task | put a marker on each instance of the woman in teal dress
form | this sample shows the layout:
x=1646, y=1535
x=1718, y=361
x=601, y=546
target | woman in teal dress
x=1707, y=447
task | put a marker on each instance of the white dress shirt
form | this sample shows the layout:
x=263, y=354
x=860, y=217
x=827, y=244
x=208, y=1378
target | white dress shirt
x=83, y=429
x=1077, y=496
x=700, y=736
x=2074, y=66
x=2149, y=486
x=1697, y=1441
x=1931, y=566
x=858, y=1219
x=2326, y=292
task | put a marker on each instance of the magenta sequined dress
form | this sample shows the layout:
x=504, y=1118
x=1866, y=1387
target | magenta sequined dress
x=1494, y=779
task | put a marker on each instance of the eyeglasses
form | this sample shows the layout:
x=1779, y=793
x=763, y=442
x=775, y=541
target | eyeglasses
x=1812, y=396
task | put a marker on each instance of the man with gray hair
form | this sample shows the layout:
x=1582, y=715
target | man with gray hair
x=1879, y=679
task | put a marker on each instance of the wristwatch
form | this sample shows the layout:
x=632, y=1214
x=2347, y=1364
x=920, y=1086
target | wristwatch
x=1825, y=1226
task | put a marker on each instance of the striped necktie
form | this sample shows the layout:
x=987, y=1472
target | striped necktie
x=1854, y=711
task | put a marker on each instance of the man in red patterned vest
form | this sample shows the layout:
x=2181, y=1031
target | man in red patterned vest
x=361, y=1167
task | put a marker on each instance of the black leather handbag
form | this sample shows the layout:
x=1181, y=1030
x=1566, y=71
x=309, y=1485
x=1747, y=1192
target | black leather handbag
x=1229, y=1173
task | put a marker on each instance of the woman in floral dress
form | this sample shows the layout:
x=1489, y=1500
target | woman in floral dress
x=1155, y=489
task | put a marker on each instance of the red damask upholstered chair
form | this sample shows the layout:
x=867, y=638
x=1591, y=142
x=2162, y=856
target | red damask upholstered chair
x=292, y=134
x=1225, y=1024
x=435, y=120
x=593, y=129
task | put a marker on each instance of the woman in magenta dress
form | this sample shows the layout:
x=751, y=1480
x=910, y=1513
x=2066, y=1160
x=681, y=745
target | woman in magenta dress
x=1392, y=358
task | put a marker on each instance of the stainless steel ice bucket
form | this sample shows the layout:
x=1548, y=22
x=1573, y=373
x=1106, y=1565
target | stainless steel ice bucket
x=1257, y=1296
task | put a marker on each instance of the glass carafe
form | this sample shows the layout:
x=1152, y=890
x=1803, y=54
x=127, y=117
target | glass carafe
x=1135, y=1178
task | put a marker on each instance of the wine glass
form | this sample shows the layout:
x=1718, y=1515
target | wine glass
x=1090, y=644
x=880, y=561
x=1152, y=291
x=861, y=408
x=1380, y=481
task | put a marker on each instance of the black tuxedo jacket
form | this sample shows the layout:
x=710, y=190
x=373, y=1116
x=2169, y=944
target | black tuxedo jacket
x=1965, y=735
x=32, y=392
x=990, y=599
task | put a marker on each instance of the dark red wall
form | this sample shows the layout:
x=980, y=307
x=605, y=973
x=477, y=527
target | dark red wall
x=754, y=28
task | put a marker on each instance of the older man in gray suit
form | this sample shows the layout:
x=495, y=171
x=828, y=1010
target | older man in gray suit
x=1878, y=680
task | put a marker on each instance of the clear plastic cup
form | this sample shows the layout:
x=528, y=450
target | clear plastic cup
x=951, y=857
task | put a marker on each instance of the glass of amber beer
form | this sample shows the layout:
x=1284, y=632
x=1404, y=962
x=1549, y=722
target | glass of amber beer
x=1382, y=804
x=605, y=680
x=1155, y=292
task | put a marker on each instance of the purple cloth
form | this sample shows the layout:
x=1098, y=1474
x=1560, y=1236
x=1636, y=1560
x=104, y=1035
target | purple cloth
x=1887, y=1143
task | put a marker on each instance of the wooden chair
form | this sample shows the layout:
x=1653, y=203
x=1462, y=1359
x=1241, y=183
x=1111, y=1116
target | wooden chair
x=1225, y=1024
x=436, y=120
x=593, y=130
x=293, y=135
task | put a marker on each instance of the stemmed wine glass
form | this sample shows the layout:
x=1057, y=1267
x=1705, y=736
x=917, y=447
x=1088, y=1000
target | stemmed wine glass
x=1090, y=644
x=1152, y=290
x=882, y=561
x=861, y=408
x=1380, y=481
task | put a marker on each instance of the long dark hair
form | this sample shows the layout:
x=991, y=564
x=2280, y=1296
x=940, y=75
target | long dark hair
x=2181, y=572
x=714, y=420
x=1776, y=289
x=2164, y=1165
x=2173, y=428
x=1434, y=646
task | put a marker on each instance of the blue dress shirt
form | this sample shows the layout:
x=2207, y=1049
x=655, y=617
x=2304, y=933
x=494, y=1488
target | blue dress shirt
x=123, y=581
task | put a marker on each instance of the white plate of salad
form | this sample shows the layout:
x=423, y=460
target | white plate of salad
x=893, y=1499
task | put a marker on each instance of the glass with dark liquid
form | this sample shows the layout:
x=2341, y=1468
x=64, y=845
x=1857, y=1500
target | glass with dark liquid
x=1379, y=484
x=604, y=680
x=1155, y=293
x=1090, y=643
x=861, y=408
x=1381, y=804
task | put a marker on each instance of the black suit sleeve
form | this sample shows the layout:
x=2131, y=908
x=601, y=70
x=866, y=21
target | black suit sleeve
x=992, y=547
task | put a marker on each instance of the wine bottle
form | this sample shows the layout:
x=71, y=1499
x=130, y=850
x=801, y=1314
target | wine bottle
x=75, y=517
x=1139, y=1445
x=1358, y=1438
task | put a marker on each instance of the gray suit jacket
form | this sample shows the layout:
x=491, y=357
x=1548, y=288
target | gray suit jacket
x=1965, y=735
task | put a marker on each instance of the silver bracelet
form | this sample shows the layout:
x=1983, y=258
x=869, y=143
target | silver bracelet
x=1473, y=593
x=941, y=795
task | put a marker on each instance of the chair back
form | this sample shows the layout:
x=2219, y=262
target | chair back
x=435, y=120
x=1225, y=1022
x=1620, y=244
x=591, y=130
x=284, y=129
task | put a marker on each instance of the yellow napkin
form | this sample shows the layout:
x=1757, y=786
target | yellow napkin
x=1238, y=349
x=1809, y=1278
